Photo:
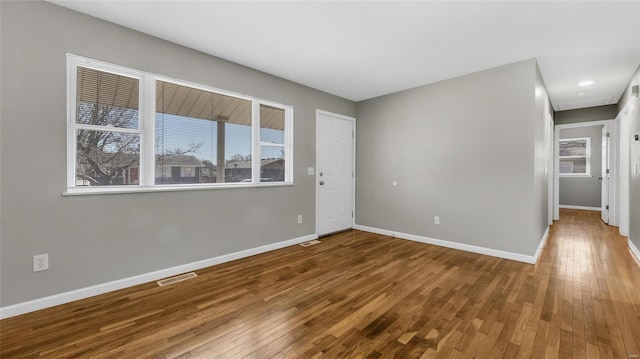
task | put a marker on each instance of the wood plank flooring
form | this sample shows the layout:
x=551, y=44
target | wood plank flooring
x=362, y=295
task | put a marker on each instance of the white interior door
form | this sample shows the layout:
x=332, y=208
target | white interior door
x=604, y=192
x=335, y=137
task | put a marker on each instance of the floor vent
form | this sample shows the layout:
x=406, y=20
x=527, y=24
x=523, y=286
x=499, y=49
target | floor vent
x=176, y=279
x=310, y=243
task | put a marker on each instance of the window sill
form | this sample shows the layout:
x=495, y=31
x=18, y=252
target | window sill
x=576, y=175
x=80, y=191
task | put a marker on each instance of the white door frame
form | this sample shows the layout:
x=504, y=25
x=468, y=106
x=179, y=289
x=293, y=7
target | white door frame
x=353, y=165
x=551, y=170
x=613, y=182
x=608, y=154
x=624, y=161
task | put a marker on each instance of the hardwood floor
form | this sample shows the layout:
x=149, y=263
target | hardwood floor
x=362, y=295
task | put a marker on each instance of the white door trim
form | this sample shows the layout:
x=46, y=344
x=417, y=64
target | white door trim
x=551, y=170
x=353, y=165
x=611, y=127
x=606, y=183
x=624, y=162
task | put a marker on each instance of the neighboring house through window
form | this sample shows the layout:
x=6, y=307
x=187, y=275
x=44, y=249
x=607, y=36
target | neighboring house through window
x=575, y=156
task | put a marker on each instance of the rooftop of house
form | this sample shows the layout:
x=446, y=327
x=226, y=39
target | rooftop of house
x=178, y=161
x=270, y=162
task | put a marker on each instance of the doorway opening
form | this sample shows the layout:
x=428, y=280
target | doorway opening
x=585, y=164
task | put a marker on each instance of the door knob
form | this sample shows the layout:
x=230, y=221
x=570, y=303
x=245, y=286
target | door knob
x=321, y=183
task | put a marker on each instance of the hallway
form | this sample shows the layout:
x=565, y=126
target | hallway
x=592, y=302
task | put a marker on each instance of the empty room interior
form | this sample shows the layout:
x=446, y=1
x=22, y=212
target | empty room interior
x=218, y=179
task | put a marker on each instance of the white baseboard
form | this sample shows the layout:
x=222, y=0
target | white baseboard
x=634, y=250
x=584, y=208
x=543, y=242
x=66, y=297
x=460, y=246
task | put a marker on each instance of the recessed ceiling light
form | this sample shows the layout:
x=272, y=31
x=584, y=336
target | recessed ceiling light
x=586, y=83
x=582, y=93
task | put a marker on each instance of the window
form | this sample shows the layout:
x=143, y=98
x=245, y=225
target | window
x=107, y=128
x=197, y=129
x=575, y=156
x=129, y=130
x=272, y=144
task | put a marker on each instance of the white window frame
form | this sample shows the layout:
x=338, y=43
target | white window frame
x=146, y=131
x=587, y=157
x=288, y=141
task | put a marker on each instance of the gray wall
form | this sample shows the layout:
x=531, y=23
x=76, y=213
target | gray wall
x=634, y=183
x=462, y=149
x=598, y=113
x=93, y=239
x=584, y=191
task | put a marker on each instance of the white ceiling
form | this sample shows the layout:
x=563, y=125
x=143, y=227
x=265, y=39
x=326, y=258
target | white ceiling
x=360, y=50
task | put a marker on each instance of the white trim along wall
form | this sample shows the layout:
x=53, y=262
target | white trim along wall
x=461, y=246
x=584, y=208
x=634, y=250
x=62, y=298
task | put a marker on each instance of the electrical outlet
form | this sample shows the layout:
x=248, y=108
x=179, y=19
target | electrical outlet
x=299, y=218
x=310, y=171
x=40, y=262
x=436, y=219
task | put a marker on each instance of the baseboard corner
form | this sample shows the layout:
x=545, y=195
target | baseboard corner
x=634, y=251
x=541, y=245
